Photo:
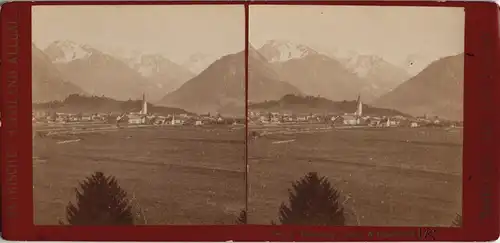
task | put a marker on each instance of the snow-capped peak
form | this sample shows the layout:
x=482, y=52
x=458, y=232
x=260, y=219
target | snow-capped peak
x=362, y=64
x=68, y=51
x=121, y=53
x=198, y=62
x=148, y=64
x=280, y=51
x=145, y=63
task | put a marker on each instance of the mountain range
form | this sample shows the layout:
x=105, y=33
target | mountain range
x=436, y=90
x=317, y=73
x=98, y=72
x=278, y=68
x=221, y=87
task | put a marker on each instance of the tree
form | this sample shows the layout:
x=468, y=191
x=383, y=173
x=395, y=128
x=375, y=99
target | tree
x=242, y=218
x=457, y=222
x=312, y=201
x=100, y=201
x=53, y=116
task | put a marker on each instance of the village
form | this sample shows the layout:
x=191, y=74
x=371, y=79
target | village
x=357, y=118
x=133, y=118
x=346, y=119
x=143, y=117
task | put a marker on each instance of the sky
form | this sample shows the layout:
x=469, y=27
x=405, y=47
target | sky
x=175, y=31
x=400, y=35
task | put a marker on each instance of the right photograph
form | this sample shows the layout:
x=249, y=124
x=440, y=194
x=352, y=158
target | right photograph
x=355, y=115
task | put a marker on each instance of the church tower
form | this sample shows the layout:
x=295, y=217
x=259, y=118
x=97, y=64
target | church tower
x=359, y=107
x=144, y=109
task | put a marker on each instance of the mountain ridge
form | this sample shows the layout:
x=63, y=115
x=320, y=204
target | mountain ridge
x=225, y=75
x=198, y=62
x=264, y=83
x=436, y=91
x=296, y=104
x=96, y=72
x=165, y=74
x=282, y=50
x=318, y=74
x=94, y=104
x=47, y=82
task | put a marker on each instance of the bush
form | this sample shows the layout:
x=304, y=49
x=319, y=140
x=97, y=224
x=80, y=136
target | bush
x=100, y=201
x=457, y=222
x=312, y=201
x=242, y=218
x=254, y=134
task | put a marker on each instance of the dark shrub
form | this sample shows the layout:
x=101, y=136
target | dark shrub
x=100, y=201
x=312, y=201
x=457, y=222
x=254, y=134
x=242, y=218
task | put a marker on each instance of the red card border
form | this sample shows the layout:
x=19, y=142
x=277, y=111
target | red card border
x=480, y=164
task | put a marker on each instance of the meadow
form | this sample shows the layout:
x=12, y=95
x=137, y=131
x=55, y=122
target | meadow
x=173, y=175
x=386, y=176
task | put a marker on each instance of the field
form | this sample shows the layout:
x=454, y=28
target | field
x=173, y=175
x=387, y=176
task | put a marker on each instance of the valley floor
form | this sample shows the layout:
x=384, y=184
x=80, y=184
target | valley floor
x=196, y=175
x=174, y=175
x=387, y=176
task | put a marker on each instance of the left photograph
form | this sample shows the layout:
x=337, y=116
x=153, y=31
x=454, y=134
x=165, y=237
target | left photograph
x=138, y=114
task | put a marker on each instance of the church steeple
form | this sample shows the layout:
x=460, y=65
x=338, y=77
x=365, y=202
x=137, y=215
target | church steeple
x=359, y=106
x=144, y=109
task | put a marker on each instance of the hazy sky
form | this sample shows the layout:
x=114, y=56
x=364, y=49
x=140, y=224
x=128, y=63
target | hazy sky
x=397, y=34
x=176, y=31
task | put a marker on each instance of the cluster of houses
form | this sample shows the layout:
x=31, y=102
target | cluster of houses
x=133, y=118
x=347, y=119
x=136, y=118
x=177, y=119
x=253, y=117
x=59, y=117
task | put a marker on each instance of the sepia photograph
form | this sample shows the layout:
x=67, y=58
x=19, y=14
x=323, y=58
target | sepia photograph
x=138, y=114
x=355, y=115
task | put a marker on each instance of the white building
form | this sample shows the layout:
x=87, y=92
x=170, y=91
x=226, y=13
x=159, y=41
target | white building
x=136, y=119
x=176, y=121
